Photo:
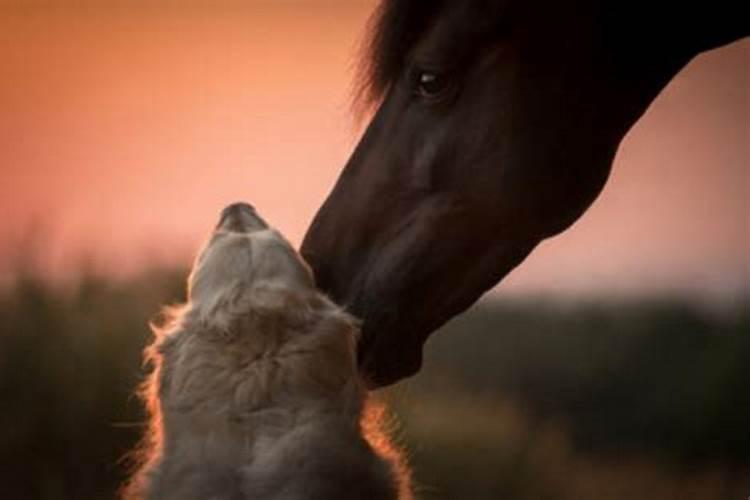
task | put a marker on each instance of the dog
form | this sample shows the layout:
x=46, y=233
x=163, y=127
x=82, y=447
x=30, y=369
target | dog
x=255, y=392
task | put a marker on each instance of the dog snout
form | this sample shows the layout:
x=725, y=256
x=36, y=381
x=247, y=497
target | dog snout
x=238, y=207
x=241, y=217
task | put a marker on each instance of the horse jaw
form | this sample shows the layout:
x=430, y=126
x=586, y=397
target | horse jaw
x=407, y=280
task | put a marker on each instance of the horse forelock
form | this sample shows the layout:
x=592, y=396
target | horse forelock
x=393, y=29
x=396, y=26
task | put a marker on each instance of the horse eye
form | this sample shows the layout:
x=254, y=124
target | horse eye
x=432, y=85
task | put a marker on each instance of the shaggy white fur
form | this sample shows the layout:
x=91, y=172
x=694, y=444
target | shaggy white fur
x=255, y=392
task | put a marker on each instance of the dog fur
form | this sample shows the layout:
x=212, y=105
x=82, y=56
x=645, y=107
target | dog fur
x=254, y=392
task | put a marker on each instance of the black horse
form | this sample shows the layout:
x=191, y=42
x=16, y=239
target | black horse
x=495, y=125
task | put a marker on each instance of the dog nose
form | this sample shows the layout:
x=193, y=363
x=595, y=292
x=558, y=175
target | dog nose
x=240, y=206
x=241, y=217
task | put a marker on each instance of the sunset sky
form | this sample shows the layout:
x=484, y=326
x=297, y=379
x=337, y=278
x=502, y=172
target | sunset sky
x=125, y=128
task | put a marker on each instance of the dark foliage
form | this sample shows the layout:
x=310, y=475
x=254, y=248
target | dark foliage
x=656, y=377
x=658, y=380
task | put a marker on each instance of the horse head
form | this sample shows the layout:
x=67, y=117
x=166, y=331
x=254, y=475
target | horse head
x=494, y=126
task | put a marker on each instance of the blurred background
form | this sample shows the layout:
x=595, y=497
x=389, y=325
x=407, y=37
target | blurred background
x=613, y=364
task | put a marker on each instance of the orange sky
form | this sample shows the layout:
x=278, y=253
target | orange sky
x=124, y=130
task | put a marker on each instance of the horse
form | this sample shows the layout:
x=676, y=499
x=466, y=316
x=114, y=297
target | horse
x=494, y=124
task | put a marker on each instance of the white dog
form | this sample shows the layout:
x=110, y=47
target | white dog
x=255, y=392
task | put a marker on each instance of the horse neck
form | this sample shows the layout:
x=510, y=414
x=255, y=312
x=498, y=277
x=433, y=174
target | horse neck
x=646, y=43
x=676, y=28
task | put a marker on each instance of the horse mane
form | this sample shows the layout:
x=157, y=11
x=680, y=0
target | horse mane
x=393, y=29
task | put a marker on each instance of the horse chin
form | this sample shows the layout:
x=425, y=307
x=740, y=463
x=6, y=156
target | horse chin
x=386, y=359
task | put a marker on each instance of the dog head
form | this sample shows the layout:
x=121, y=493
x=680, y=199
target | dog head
x=243, y=255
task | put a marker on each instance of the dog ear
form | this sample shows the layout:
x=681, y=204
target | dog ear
x=332, y=335
x=346, y=321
